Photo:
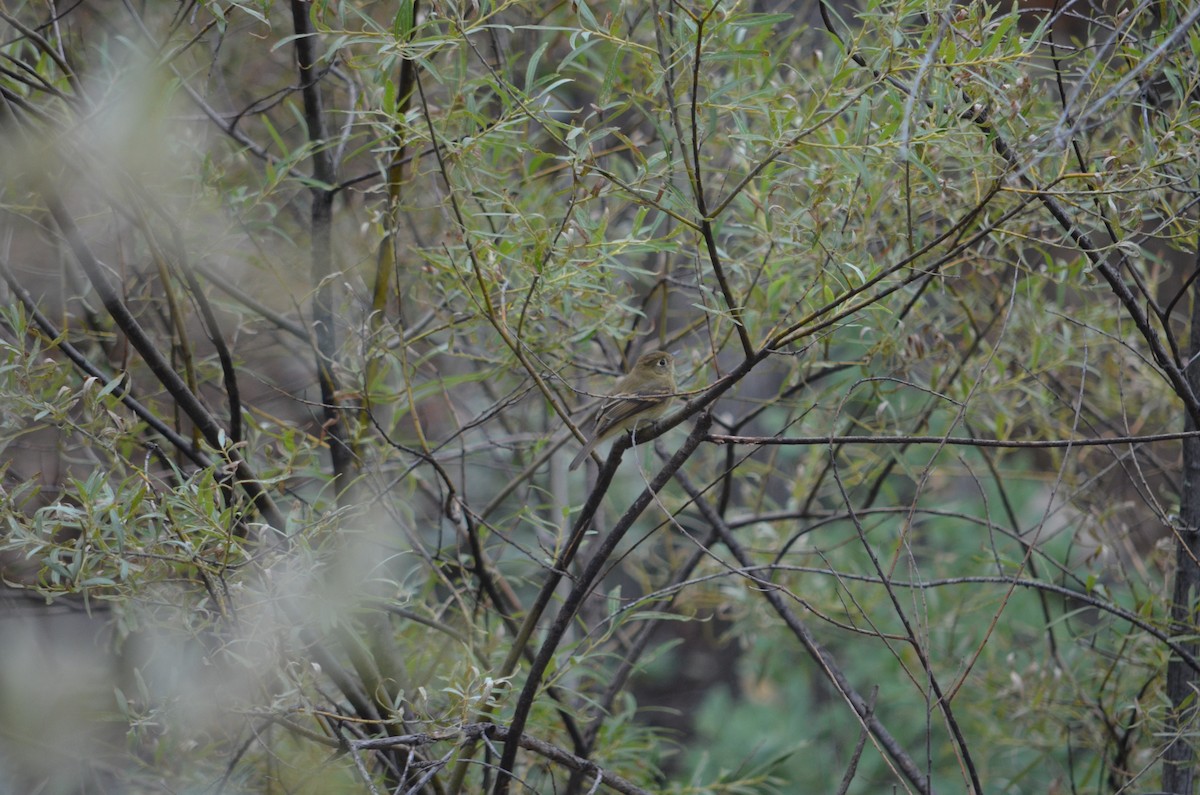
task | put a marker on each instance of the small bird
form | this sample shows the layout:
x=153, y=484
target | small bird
x=639, y=398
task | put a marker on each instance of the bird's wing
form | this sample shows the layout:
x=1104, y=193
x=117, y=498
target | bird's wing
x=622, y=407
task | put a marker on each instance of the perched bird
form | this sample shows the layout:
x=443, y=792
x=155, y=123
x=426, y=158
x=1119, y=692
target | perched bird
x=641, y=396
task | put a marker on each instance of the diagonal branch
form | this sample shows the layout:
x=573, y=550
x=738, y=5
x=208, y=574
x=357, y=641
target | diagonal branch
x=825, y=662
x=121, y=392
x=212, y=431
x=583, y=586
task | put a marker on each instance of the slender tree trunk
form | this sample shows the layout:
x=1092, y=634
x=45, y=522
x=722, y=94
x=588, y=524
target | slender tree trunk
x=324, y=332
x=1179, y=761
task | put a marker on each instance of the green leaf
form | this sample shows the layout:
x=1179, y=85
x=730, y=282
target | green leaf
x=402, y=23
x=532, y=67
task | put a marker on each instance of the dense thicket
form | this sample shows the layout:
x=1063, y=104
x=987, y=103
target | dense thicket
x=306, y=305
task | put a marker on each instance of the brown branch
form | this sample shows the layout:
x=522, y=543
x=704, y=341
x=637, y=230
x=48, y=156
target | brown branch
x=474, y=732
x=583, y=584
x=1179, y=758
x=953, y=441
x=121, y=392
x=341, y=456
x=825, y=662
x=706, y=228
x=1080, y=595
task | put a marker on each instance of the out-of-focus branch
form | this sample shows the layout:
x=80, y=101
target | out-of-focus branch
x=213, y=433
